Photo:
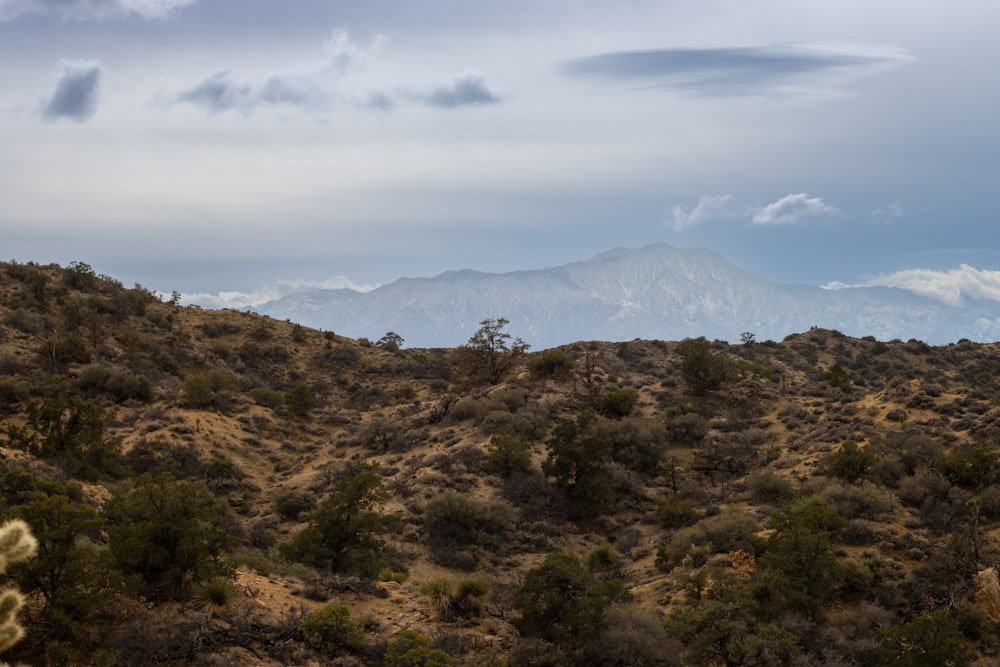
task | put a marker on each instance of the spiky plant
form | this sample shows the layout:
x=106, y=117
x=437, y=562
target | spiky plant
x=16, y=544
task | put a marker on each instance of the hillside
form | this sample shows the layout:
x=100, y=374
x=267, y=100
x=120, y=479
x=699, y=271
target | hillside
x=218, y=487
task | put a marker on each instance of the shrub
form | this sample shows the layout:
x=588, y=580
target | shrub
x=730, y=530
x=344, y=533
x=676, y=512
x=578, y=459
x=293, y=502
x=559, y=601
x=508, y=452
x=267, y=397
x=618, y=403
x=551, y=364
x=332, y=632
x=300, y=400
x=412, y=649
x=850, y=463
x=701, y=369
x=460, y=527
x=171, y=533
x=926, y=641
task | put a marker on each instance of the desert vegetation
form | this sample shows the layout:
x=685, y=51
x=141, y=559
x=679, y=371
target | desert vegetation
x=217, y=487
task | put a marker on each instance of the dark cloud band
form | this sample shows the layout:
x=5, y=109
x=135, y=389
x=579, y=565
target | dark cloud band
x=737, y=70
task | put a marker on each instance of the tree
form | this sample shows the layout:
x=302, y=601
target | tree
x=63, y=571
x=702, y=369
x=926, y=641
x=68, y=430
x=509, y=451
x=171, y=533
x=391, y=341
x=300, y=400
x=344, y=533
x=800, y=552
x=490, y=353
x=578, y=459
x=559, y=601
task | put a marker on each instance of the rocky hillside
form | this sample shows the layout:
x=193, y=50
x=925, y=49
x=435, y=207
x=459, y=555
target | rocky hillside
x=217, y=488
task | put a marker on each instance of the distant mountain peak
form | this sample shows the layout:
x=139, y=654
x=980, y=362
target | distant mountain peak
x=657, y=291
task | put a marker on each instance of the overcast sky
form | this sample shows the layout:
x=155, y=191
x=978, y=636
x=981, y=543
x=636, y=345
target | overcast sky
x=229, y=145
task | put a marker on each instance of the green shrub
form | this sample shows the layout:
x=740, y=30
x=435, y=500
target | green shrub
x=559, y=601
x=850, y=463
x=676, y=512
x=618, y=403
x=291, y=503
x=509, y=451
x=461, y=528
x=332, y=632
x=926, y=641
x=731, y=530
x=412, y=649
x=551, y=364
x=267, y=397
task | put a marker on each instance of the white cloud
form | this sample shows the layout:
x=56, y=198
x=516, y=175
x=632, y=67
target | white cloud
x=239, y=300
x=91, y=10
x=950, y=287
x=792, y=209
x=709, y=207
x=321, y=86
x=887, y=213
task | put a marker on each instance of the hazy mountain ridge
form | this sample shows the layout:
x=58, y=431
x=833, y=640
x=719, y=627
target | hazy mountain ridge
x=655, y=292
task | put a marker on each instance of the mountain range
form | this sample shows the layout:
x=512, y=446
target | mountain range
x=655, y=292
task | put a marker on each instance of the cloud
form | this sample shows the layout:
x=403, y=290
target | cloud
x=321, y=86
x=76, y=92
x=792, y=209
x=767, y=70
x=463, y=90
x=888, y=213
x=950, y=287
x=239, y=300
x=709, y=207
x=91, y=10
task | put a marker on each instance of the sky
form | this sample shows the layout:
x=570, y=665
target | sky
x=241, y=149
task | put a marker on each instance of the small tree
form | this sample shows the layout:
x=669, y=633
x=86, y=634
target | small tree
x=579, y=456
x=702, y=369
x=333, y=632
x=391, y=341
x=172, y=533
x=300, y=400
x=559, y=601
x=490, y=353
x=344, y=533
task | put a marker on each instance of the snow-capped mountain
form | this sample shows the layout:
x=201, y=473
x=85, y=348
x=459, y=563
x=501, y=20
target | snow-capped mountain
x=655, y=292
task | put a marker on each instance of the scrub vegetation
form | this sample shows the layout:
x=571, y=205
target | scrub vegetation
x=218, y=487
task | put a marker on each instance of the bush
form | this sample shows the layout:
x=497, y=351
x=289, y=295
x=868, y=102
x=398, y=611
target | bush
x=412, y=649
x=850, y=463
x=344, y=533
x=618, y=403
x=293, y=502
x=676, y=512
x=551, y=364
x=508, y=452
x=702, y=369
x=559, y=602
x=460, y=528
x=731, y=530
x=267, y=397
x=926, y=641
x=332, y=632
